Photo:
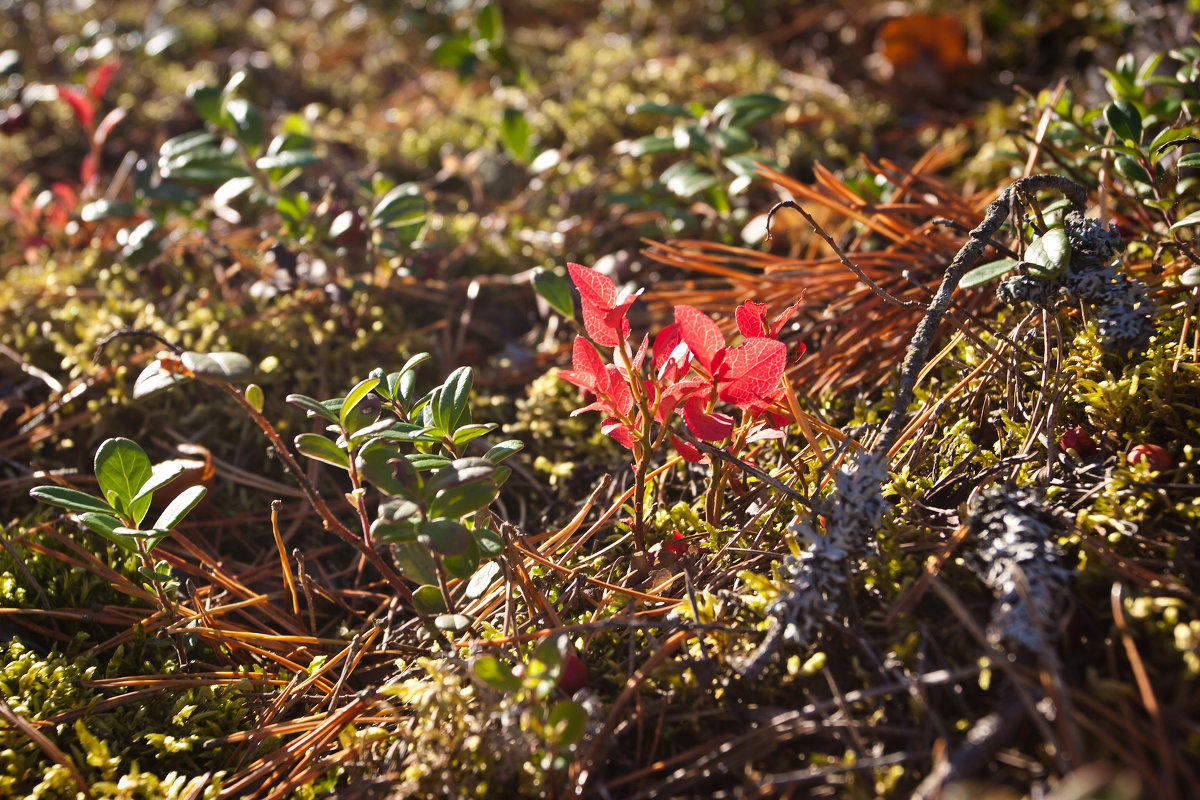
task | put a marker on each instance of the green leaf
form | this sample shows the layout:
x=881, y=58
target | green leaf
x=489, y=24
x=469, y=433
x=987, y=272
x=122, y=468
x=105, y=209
x=322, y=448
x=1131, y=170
x=402, y=206
x=454, y=623
x=232, y=189
x=514, y=133
x=327, y=409
x=428, y=600
x=424, y=462
x=566, y=723
x=107, y=525
x=288, y=159
x=658, y=108
x=687, y=178
x=155, y=378
x=178, y=508
x=732, y=140
x=463, y=566
x=481, y=580
x=446, y=536
x=70, y=499
x=354, y=398
x=160, y=476
x=649, y=145
x=219, y=367
x=690, y=136
x=491, y=544
x=254, y=396
x=496, y=673
x=1125, y=120
x=461, y=471
x=207, y=102
x=185, y=143
x=1191, y=220
x=153, y=576
x=247, y=123
x=744, y=110
x=459, y=501
x=1051, y=251
x=1189, y=160
x=386, y=532
x=453, y=403
x=503, y=450
x=554, y=290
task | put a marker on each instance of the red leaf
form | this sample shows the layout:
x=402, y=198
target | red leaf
x=675, y=394
x=107, y=124
x=585, y=359
x=99, y=78
x=641, y=352
x=687, y=450
x=677, y=544
x=665, y=343
x=618, y=431
x=702, y=335
x=755, y=370
x=87, y=169
x=617, y=390
x=714, y=427
x=762, y=432
x=785, y=317
x=594, y=288
x=751, y=319
x=595, y=322
x=85, y=112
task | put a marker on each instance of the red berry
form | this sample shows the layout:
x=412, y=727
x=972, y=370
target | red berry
x=676, y=544
x=574, y=674
x=1155, y=457
x=1079, y=440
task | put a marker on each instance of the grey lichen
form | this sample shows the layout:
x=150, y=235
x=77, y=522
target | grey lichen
x=1124, y=312
x=1018, y=557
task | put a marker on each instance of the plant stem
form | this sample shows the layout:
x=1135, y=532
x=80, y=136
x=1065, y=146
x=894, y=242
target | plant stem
x=328, y=519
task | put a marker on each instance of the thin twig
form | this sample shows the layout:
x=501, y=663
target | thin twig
x=862, y=276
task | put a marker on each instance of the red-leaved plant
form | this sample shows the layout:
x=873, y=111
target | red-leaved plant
x=692, y=372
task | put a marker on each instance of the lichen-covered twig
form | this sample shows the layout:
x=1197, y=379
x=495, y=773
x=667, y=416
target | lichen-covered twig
x=918, y=349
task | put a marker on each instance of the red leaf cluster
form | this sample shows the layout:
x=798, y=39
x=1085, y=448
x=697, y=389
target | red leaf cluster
x=693, y=370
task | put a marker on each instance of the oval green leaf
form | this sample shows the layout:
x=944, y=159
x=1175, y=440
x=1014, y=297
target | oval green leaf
x=122, y=468
x=321, y=448
x=70, y=499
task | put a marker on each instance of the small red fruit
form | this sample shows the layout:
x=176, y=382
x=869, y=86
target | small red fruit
x=1079, y=440
x=1155, y=457
x=574, y=674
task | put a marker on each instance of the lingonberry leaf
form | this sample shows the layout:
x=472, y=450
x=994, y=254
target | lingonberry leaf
x=701, y=334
